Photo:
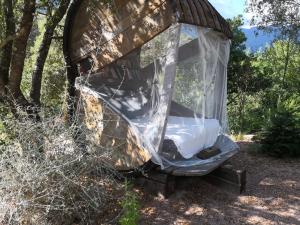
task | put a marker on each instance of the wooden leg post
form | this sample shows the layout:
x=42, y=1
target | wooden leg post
x=156, y=182
x=233, y=180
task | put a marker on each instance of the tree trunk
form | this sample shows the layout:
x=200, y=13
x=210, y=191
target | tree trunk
x=19, y=52
x=36, y=82
x=286, y=62
x=6, y=51
x=51, y=24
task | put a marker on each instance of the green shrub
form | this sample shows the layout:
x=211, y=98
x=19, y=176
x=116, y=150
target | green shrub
x=281, y=138
x=131, y=208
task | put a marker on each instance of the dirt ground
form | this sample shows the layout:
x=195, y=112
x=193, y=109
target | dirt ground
x=272, y=197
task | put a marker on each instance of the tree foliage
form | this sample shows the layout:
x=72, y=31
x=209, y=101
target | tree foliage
x=31, y=43
x=241, y=76
x=281, y=138
x=257, y=82
x=264, y=86
x=272, y=65
x=243, y=82
x=282, y=16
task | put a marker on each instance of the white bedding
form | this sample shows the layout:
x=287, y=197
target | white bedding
x=190, y=135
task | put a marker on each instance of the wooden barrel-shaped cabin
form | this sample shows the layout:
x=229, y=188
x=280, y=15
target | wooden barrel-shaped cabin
x=150, y=80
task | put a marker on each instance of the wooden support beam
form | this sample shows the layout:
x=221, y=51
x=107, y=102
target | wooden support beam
x=225, y=177
x=156, y=182
x=228, y=178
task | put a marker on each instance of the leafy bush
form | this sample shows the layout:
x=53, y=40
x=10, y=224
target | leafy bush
x=47, y=178
x=131, y=208
x=281, y=138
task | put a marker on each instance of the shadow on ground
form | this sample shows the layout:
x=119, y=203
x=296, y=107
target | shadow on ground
x=272, y=197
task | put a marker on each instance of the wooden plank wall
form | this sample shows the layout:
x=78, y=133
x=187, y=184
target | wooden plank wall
x=107, y=131
x=106, y=33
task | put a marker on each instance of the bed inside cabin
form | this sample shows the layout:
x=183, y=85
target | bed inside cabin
x=140, y=86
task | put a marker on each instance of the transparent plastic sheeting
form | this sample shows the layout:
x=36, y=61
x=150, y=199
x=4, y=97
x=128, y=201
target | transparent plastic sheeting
x=173, y=88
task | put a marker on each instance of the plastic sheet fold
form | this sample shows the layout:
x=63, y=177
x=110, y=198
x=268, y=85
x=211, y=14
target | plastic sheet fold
x=173, y=87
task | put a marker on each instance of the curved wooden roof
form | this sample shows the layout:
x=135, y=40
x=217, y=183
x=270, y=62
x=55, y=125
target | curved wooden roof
x=202, y=13
x=106, y=32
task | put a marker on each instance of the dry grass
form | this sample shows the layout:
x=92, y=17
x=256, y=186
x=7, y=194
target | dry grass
x=48, y=176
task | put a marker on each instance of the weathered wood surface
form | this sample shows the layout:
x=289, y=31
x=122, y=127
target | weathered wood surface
x=107, y=32
x=110, y=133
x=226, y=178
x=155, y=182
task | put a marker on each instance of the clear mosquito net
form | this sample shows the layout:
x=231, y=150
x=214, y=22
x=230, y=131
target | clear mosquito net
x=172, y=91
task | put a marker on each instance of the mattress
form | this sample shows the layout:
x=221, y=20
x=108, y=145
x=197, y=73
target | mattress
x=190, y=135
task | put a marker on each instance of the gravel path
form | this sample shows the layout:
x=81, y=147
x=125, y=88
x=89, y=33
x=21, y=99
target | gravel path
x=272, y=197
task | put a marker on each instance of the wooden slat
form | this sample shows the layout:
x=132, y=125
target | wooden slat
x=109, y=131
x=194, y=12
x=133, y=37
x=125, y=16
x=201, y=13
x=222, y=28
x=209, y=19
x=206, y=14
x=226, y=29
x=179, y=10
x=85, y=41
x=188, y=16
x=155, y=182
x=117, y=30
x=214, y=14
x=228, y=178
